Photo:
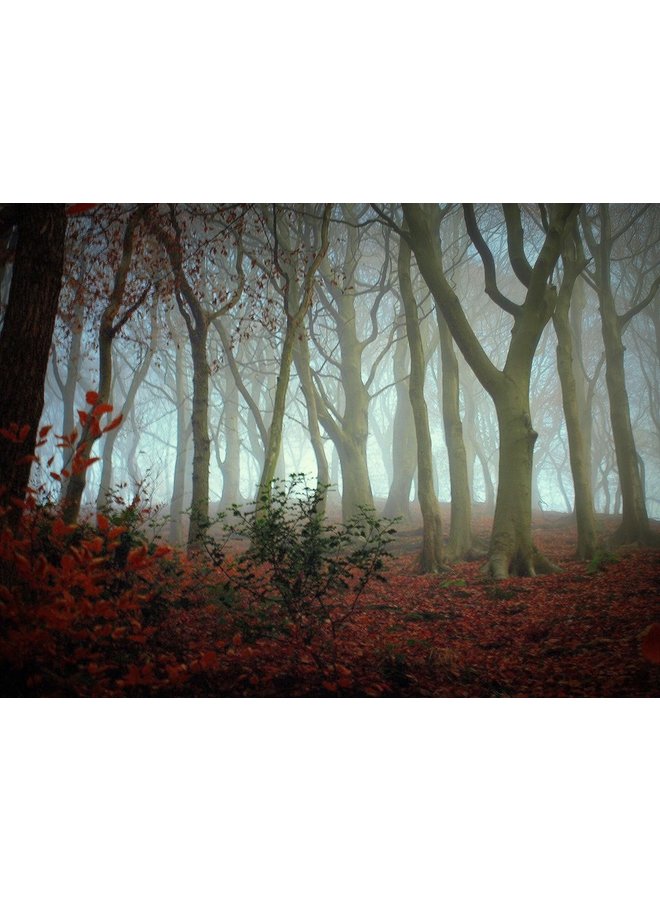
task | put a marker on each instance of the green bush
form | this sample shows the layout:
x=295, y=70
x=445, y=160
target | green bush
x=313, y=571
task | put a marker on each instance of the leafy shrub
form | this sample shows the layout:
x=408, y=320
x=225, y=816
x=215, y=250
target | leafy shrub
x=299, y=565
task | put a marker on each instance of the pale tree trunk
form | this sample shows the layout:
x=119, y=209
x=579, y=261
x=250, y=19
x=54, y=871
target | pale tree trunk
x=460, y=526
x=349, y=431
x=183, y=432
x=139, y=375
x=109, y=327
x=231, y=464
x=404, y=442
x=197, y=320
x=512, y=551
x=25, y=340
x=587, y=540
x=295, y=310
x=635, y=523
x=68, y=384
x=431, y=559
x=302, y=363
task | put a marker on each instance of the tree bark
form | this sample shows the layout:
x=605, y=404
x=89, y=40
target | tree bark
x=431, y=558
x=404, y=442
x=460, y=526
x=635, y=523
x=511, y=548
x=25, y=340
x=108, y=330
x=584, y=505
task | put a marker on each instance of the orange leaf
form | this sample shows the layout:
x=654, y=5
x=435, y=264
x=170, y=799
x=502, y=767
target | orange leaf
x=102, y=408
x=95, y=544
x=59, y=529
x=136, y=557
x=102, y=522
x=83, y=416
x=92, y=398
x=651, y=643
x=44, y=431
x=114, y=424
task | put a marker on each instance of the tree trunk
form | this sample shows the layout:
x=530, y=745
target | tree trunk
x=26, y=338
x=404, y=442
x=635, y=524
x=511, y=548
x=431, y=559
x=580, y=469
x=199, y=505
x=301, y=361
x=231, y=464
x=460, y=526
x=512, y=551
x=297, y=302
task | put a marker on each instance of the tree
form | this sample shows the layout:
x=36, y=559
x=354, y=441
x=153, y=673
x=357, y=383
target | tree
x=25, y=339
x=512, y=550
x=601, y=241
x=297, y=300
x=578, y=449
x=109, y=327
x=197, y=319
x=431, y=558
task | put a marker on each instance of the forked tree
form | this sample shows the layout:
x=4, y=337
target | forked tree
x=512, y=550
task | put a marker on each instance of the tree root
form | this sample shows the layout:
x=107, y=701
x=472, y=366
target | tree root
x=503, y=565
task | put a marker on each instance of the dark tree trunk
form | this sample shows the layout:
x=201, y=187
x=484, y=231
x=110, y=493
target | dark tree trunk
x=26, y=337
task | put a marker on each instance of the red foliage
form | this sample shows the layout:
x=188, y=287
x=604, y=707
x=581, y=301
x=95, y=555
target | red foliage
x=98, y=612
x=651, y=643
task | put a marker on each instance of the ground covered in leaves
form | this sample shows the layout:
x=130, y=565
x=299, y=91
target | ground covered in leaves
x=93, y=614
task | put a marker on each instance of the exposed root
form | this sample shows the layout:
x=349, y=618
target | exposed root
x=503, y=565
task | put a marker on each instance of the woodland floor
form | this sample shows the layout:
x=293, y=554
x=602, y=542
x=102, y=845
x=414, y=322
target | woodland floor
x=457, y=634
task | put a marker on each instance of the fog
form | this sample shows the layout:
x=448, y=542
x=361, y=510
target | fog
x=350, y=352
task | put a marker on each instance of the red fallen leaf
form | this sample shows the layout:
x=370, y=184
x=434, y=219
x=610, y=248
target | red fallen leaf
x=55, y=476
x=91, y=398
x=237, y=640
x=177, y=673
x=44, y=431
x=651, y=643
x=209, y=660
